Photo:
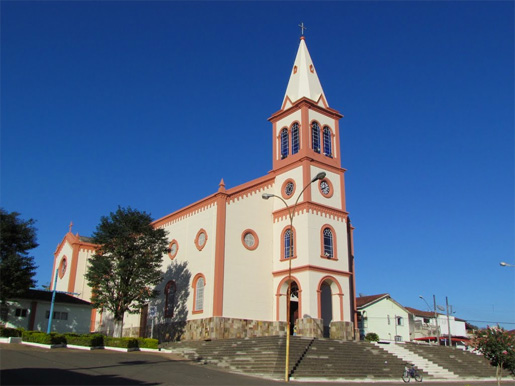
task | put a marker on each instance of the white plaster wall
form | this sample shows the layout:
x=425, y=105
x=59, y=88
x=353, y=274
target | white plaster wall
x=184, y=232
x=14, y=321
x=62, y=283
x=378, y=315
x=335, y=201
x=248, y=291
x=79, y=318
x=81, y=284
x=458, y=328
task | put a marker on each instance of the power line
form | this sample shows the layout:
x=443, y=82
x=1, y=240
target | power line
x=489, y=321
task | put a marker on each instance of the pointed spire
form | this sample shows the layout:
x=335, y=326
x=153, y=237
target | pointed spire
x=221, y=186
x=304, y=80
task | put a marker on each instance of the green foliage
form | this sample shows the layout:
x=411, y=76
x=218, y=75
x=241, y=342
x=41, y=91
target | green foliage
x=17, y=268
x=88, y=340
x=498, y=346
x=148, y=343
x=43, y=338
x=121, y=342
x=372, y=337
x=6, y=332
x=127, y=265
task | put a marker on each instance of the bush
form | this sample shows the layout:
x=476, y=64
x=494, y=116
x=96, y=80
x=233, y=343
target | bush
x=6, y=332
x=88, y=340
x=43, y=338
x=372, y=337
x=148, y=343
x=121, y=342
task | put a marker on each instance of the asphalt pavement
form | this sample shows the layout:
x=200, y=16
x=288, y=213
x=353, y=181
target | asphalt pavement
x=27, y=365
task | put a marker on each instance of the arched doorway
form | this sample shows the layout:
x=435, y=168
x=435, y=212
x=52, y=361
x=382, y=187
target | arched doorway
x=326, y=305
x=294, y=306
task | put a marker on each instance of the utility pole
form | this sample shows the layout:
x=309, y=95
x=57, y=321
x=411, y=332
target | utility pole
x=436, y=321
x=448, y=321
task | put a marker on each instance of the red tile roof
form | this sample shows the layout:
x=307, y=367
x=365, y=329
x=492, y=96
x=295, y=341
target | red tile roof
x=365, y=300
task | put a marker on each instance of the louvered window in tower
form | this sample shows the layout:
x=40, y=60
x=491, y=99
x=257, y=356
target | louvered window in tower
x=288, y=244
x=295, y=138
x=328, y=243
x=315, y=137
x=327, y=142
x=284, y=143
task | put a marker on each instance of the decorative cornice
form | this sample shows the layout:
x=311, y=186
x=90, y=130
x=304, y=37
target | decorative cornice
x=314, y=208
x=315, y=268
x=328, y=111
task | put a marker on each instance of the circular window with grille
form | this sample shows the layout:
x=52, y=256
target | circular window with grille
x=249, y=239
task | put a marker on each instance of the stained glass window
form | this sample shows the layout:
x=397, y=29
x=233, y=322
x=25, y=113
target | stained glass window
x=327, y=142
x=288, y=244
x=315, y=137
x=328, y=243
x=284, y=143
x=199, y=295
x=295, y=138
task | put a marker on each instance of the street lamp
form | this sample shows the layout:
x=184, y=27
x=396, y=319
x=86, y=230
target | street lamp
x=503, y=264
x=291, y=214
x=436, y=316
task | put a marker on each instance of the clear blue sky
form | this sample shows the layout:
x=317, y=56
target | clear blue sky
x=150, y=104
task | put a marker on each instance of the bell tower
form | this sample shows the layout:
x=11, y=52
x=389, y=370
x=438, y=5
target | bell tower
x=305, y=126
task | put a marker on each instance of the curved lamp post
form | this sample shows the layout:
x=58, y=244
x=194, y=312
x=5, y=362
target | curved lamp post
x=291, y=214
x=503, y=264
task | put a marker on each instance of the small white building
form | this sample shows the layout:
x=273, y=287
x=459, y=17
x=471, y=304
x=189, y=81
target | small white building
x=31, y=311
x=384, y=316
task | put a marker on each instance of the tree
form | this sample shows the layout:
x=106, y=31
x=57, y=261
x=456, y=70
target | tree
x=17, y=268
x=126, y=266
x=498, y=346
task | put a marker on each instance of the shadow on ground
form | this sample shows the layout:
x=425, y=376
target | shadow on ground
x=39, y=376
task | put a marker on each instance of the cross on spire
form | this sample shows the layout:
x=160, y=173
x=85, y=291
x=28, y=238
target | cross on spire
x=302, y=28
x=71, y=225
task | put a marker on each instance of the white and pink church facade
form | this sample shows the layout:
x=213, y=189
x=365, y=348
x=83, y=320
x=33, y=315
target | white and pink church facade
x=228, y=269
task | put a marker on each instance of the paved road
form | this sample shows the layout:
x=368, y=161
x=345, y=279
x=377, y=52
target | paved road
x=26, y=365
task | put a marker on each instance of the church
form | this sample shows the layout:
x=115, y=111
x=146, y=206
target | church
x=237, y=255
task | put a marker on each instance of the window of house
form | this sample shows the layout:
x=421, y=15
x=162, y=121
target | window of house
x=315, y=137
x=199, y=295
x=170, y=292
x=284, y=143
x=21, y=312
x=58, y=315
x=400, y=321
x=327, y=142
x=398, y=338
x=388, y=317
x=328, y=243
x=295, y=143
x=426, y=320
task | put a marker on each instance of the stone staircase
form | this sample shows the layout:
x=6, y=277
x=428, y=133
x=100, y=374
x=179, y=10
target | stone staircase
x=339, y=360
x=263, y=356
x=462, y=363
x=325, y=359
x=431, y=368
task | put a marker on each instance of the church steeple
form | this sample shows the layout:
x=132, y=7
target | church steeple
x=305, y=127
x=304, y=80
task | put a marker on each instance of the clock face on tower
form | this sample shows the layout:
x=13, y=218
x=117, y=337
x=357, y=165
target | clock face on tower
x=325, y=188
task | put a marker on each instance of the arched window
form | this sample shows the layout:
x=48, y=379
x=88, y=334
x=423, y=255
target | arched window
x=170, y=292
x=328, y=243
x=327, y=142
x=289, y=246
x=198, y=286
x=284, y=143
x=315, y=137
x=295, y=138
